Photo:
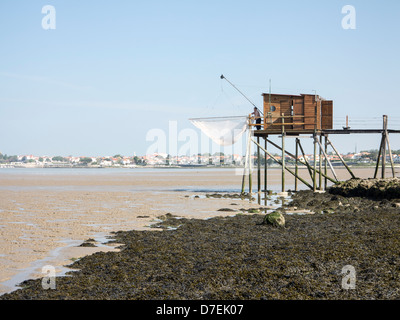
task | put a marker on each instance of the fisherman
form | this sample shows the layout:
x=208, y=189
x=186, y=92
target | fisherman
x=257, y=116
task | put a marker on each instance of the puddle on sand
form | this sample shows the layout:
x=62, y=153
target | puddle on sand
x=26, y=273
x=101, y=241
x=268, y=201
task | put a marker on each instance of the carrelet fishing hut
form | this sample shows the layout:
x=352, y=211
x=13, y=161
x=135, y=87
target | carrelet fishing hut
x=298, y=116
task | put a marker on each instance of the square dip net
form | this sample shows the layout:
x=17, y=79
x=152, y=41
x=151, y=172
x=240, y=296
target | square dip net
x=225, y=131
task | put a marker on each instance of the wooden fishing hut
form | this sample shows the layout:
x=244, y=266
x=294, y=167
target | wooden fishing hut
x=305, y=114
x=297, y=114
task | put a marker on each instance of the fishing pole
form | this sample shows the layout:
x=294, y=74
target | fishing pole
x=222, y=77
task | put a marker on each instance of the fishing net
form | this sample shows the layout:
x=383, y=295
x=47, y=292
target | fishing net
x=224, y=131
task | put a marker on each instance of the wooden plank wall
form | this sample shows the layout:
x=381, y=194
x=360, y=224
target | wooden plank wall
x=327, y=114
x=298, y=110
x=286, y=109
x=274, y=102
x=309, y=111
x=317, y=114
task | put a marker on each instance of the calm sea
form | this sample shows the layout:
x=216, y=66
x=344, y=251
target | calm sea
x=274, y=180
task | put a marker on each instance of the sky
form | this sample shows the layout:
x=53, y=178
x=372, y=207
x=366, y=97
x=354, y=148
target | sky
x=113, y=74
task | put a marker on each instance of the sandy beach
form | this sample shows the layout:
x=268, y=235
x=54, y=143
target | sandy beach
x=45, y=214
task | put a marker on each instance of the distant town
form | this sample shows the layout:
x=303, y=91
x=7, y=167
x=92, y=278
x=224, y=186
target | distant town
x=165, y=160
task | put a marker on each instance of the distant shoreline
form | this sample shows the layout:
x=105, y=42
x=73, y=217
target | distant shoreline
x=339, y=165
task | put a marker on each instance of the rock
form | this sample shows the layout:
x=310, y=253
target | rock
x=283, y=194
x=88, y=243
x=254, y=210
x=372, y=188
x=275, y=218
x=167, y=216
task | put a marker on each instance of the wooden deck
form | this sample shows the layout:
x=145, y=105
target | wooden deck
x=294, y=132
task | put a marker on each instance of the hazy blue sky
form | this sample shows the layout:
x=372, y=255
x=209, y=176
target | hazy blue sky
x=113, y=70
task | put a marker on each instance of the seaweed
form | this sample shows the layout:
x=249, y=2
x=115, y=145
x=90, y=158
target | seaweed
x=239, y=257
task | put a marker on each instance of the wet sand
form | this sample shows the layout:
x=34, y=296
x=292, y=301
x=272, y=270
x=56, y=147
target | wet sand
x=45, y=215
x=346, y=250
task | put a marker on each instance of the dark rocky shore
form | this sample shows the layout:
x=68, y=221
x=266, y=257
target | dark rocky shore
x=369, y=188
x=240, y=257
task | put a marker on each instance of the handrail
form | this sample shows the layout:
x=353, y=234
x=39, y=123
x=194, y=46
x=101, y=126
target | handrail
x=278, y=121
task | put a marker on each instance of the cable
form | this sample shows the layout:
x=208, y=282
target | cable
x=222, y=77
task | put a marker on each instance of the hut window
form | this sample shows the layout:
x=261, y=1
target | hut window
x=272, y=109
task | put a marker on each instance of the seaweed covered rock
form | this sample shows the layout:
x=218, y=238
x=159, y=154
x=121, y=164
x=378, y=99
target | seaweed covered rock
x=275, y=218
x=238, y=258
x=369, y=188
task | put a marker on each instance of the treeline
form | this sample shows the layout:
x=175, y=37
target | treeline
x=7, y=159
x=4, y=158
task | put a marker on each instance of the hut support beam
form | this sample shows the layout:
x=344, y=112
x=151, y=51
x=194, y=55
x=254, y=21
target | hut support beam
x=320, y=162
x=391, y=156
x=341, y=158
x=382, y=151
x=384, y=132
x=305, y=163
x=326, y=159
x=296, y=168
x=250, y=166
x=283, y=153
x=265, y=166
x=247, y=161
x=305, y=159
x=258, y=167
x=379, y=157
x=315, y=162
x=279, y=162
x=325, y=167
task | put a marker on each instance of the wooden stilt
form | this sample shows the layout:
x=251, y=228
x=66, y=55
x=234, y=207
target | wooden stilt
x=244, y=172
x=379, y=157
x=246, y=159
x=283, y=153
x=325, y=165
x=383, y=171
x=320, y=162
x=391, y=157
x=305, y=160
x=258, y=167
x=384, y=134
x=250, y=167
x=265, y=166
x=287, y=169
x=296, y=168
x=243, y=180
x=326, y=159
x=341, y=158
x=305, y=163
x=315, y=163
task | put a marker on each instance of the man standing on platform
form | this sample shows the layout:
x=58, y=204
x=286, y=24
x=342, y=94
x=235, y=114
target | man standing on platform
x=257, y=116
